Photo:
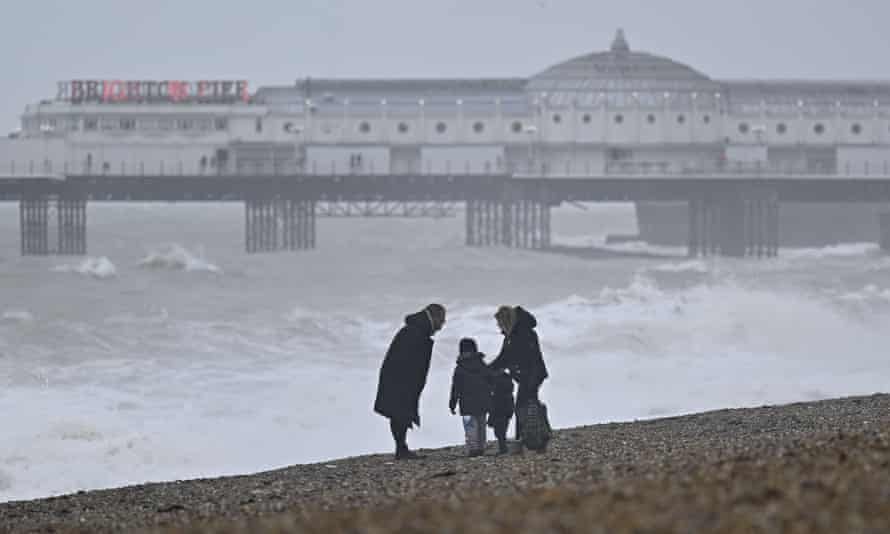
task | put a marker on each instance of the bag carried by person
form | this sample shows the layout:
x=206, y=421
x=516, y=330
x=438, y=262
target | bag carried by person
x=535, y=431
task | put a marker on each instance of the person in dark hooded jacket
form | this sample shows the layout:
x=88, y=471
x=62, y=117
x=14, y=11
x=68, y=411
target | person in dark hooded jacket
x=520, y=352
x=471, y=389
x=501, y=408
x=404, y=372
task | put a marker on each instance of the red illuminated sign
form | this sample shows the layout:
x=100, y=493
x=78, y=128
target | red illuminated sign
x=169, y=91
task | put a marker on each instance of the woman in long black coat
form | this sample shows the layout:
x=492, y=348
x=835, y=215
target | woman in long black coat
x=404, y=372
x=521, y=352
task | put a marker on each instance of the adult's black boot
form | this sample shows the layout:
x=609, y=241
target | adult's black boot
x=404, y=453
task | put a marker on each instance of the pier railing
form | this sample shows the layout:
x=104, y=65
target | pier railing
x=572, y=168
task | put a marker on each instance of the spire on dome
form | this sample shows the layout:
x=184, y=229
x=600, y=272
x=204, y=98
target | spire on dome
x=619, y=44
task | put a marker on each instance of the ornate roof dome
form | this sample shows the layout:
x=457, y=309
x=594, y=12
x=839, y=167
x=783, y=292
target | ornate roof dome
x=619, y=69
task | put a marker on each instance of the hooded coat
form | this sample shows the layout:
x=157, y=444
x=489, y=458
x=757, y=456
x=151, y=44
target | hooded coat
x=521, y=354
x=502, y=397
x=471, y=385
x=404, y=371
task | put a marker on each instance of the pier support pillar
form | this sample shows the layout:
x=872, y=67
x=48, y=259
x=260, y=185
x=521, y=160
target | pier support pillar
x=740, y=225
x=34, y=226
x=696, y=235
x=279, y=224
x=884, y=224
x=772, y=238
x=53, y=225
x=485, y=221
x=510, y=221
x=732, y=227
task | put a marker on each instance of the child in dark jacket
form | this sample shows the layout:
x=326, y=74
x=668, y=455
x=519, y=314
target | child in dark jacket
x=501, y=408
x=471, y=389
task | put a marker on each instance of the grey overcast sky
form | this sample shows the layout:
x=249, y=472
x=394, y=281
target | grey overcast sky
x=277, y=41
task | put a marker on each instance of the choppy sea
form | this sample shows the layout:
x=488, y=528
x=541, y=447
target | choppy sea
x=169, y=353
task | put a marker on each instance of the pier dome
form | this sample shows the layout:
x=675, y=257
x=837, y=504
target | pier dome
x=619, y=69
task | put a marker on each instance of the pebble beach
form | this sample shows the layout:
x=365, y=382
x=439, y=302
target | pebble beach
x=806, y=467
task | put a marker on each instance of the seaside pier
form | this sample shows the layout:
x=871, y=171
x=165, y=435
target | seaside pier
x=735, y=168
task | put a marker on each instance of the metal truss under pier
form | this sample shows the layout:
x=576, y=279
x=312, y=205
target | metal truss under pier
x=279, y=224
x=53, y=225
x=734, y=226
x=383, y=209
x=522, y=223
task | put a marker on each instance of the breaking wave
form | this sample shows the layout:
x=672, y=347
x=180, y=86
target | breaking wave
x=692, y=266
x=846, y=250
x=176, y=257
x=100, y=268
x=16, y=316
x=641, y=248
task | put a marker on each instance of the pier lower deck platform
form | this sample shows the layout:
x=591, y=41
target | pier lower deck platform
x=727, y=215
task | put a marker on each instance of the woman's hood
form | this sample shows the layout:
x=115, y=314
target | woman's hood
x=525, y=318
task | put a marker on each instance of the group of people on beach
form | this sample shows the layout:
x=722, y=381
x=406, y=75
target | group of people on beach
x=482, y=392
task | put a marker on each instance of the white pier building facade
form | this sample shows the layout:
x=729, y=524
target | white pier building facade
x=618, y=112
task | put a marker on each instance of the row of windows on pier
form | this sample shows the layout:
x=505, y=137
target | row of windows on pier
x=364, y=127
x=818, y=128
x=618, y=119
x=517, y=126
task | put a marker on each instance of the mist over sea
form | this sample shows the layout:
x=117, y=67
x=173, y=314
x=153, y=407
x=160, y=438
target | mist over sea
x=169, y=353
